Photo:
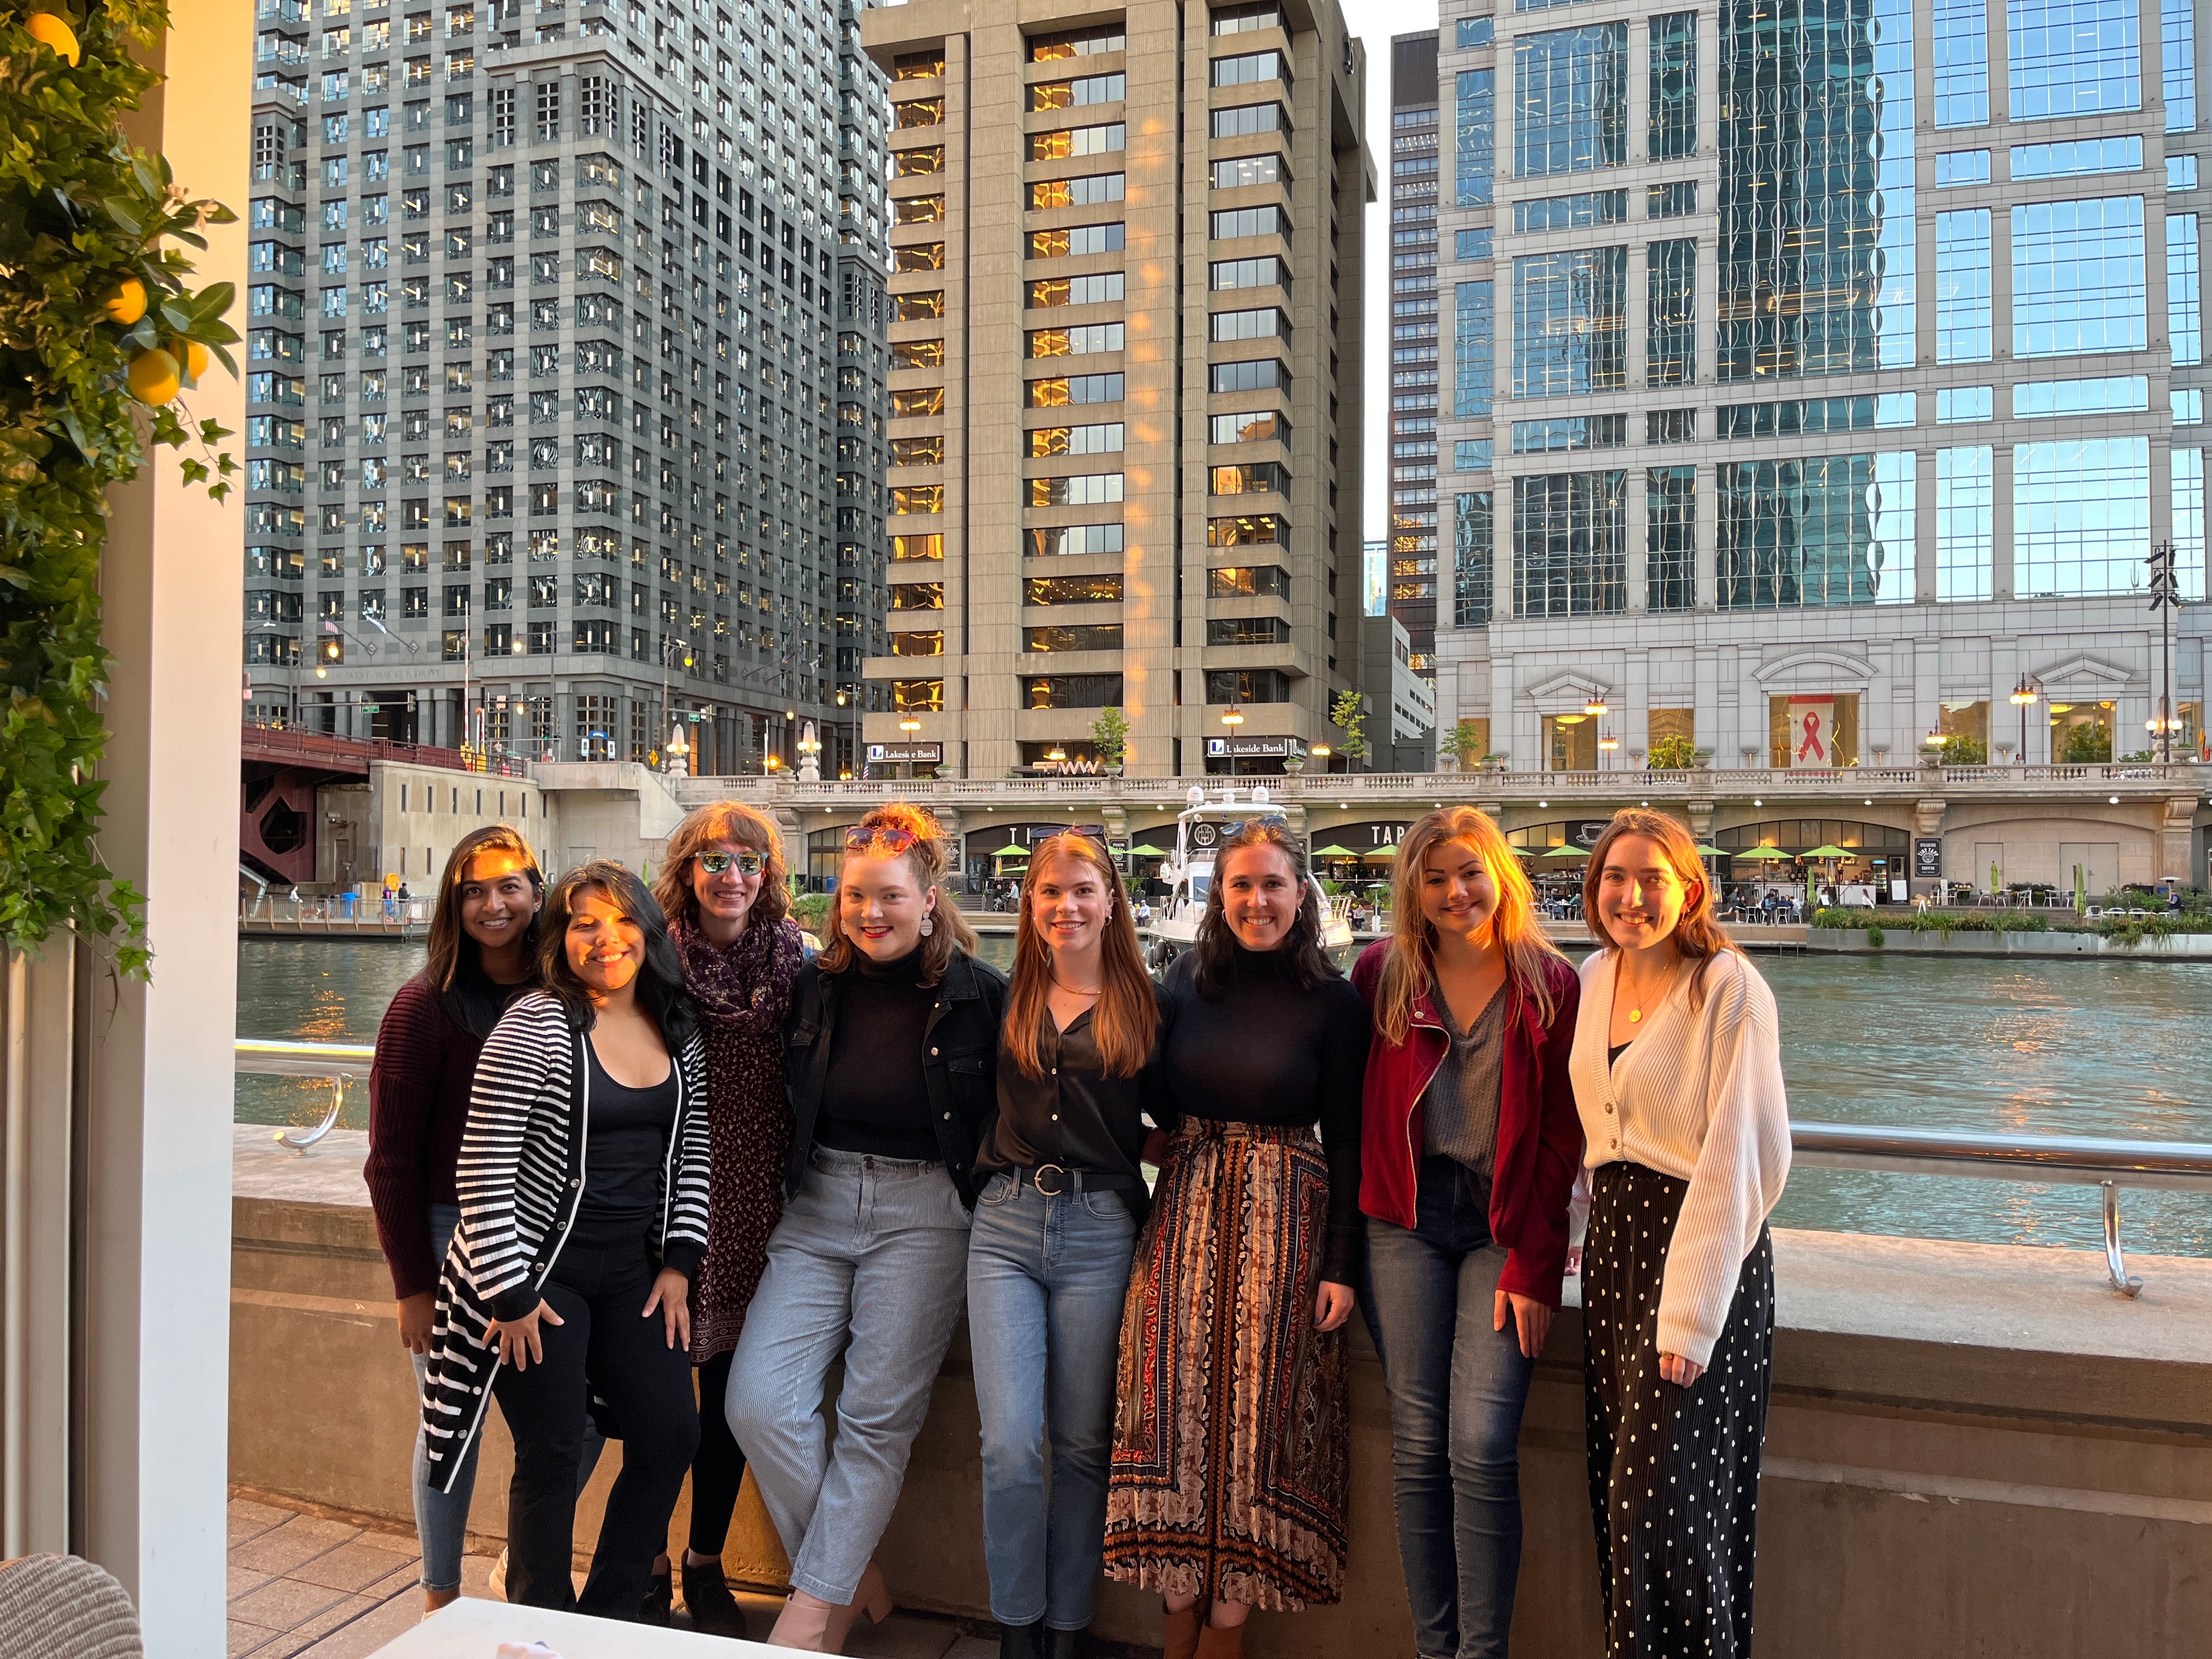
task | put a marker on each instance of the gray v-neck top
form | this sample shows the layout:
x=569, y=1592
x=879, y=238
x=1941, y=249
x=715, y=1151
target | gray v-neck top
x=1459, y=1116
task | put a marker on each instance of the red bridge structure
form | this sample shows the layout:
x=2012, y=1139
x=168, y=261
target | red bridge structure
x=280, y=769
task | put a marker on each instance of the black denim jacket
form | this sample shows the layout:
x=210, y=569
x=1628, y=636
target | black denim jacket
x=959, y=1062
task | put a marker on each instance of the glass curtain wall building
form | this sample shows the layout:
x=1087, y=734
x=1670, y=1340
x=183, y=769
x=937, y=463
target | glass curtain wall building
x=566, y=375
x=1127, y=293
x=1888, y=320
x=1415, y=352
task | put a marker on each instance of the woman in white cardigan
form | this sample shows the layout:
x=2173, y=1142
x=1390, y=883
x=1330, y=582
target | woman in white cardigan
x=1677, y=1072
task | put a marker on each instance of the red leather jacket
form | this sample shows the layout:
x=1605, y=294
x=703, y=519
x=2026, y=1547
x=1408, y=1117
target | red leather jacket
x=1539, y=1136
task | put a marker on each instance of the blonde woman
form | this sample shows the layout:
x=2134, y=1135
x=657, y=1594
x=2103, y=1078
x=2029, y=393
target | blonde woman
x=1678, y=1076
x=889, y=1051
x=1468, y=1145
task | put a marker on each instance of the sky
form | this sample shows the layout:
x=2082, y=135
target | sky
x=1375, y=21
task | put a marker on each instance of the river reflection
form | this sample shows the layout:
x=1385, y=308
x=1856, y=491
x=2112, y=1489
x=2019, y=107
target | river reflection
x=2090, y=1048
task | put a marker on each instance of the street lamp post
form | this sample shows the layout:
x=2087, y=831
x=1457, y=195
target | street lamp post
x=2166, y=599
x=2025, y=696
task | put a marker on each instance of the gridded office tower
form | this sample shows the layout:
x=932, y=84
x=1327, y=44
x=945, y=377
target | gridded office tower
x=566, y=375
x=1126, y=289
x=1821, y=379
x=1413, y=345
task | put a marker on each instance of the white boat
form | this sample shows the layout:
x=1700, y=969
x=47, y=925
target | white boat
x=1203, y=825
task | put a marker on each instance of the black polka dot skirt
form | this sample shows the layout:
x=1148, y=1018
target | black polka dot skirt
x=1673, y=1471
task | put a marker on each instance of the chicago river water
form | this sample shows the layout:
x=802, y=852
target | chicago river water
x=2061, y=1048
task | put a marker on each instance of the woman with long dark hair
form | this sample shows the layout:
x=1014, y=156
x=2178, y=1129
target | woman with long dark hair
x=1469, y=1147
x=1061, y=1197
x=1677, y=1070
x=482, y=955
x=721, y=886
x=889, y=1055
x=1230, y=1453
x=583, y=1187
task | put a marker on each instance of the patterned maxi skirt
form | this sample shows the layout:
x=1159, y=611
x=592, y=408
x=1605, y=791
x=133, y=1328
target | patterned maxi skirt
x=1673, y=1471
x=1232, y=1431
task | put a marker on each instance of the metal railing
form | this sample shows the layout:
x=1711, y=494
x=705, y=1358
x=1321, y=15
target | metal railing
x=338, y=1063
x=2062, y=1160
x=2057, y=1160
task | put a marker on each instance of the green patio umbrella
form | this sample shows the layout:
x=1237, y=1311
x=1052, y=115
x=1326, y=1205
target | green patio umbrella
x=1830, y=852
x=1710, y=852
x=1762, y=854
x=1385, y=854
x=1148, y=851
x=1568, y=852
x=1011, y=851
x=1335, y=852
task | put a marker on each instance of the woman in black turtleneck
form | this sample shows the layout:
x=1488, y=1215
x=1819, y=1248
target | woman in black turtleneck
x=1228, y=1484
x=890, y=1059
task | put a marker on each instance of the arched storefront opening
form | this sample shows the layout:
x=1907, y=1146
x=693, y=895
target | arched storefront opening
x=984, y=870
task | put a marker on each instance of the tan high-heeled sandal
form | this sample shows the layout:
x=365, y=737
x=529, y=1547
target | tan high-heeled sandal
x=814, y=1625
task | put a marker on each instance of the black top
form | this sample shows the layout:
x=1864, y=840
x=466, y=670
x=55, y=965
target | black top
x=873, y=1097
x=1075, y=1116
x=1266, y=1052
x=1617, y=1051
x=627, y=1142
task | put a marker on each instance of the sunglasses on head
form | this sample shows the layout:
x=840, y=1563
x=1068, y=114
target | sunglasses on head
x=1265, y=820
x=889, y=841
x=749, y=862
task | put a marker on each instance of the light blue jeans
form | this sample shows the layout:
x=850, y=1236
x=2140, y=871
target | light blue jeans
x=871, y=1258
x=441, y=1518
x=1046, y=1281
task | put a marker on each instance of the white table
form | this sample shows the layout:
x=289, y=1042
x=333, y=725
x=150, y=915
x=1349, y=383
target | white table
x=472, y=1629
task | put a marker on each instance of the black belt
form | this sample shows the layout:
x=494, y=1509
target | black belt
x=1056, y=1181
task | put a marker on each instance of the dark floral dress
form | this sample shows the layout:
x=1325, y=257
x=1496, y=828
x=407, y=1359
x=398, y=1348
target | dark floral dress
x=744, y=992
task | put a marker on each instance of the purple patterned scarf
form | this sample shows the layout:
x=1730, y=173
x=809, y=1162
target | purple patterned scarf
x=743, y=989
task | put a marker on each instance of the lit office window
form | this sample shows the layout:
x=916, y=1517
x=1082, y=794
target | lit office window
x=2077, y=276
x=2072, y=57
x=1571, y=101
x=1571, y=544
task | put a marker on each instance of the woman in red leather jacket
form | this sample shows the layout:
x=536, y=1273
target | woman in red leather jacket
x=1469, y=1144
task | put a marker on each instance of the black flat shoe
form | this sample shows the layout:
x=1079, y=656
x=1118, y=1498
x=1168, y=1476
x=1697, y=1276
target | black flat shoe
x=1022, y=1641
x=1065, y=1643
x=659, y=1591
x=707, y=1597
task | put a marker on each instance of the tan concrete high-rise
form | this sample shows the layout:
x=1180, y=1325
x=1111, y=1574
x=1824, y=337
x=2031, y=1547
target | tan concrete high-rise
x=1125, y=369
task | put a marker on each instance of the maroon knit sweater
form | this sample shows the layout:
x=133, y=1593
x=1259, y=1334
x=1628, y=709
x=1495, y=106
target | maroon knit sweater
x=418, y=1105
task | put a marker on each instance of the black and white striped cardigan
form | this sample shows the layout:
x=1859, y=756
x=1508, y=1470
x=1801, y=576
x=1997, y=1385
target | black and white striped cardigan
x=520, y=1177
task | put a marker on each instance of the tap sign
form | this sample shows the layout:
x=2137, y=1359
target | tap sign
x=1813, y=731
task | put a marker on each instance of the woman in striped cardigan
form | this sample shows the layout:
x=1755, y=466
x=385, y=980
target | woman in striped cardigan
x=583, y=1190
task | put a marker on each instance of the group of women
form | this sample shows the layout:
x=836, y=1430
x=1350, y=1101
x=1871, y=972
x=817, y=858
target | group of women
x=644, y=1169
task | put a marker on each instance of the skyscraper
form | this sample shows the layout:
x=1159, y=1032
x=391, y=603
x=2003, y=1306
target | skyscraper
x=1127, y=282
x=1415, y=348
x=1821, y=382
x=566, y=374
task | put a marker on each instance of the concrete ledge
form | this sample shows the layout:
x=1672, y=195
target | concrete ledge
x=1898, y=941
x=1972, y=1449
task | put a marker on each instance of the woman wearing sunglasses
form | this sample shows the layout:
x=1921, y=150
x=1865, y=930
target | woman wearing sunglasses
x=722, y=887
x=888, y=1056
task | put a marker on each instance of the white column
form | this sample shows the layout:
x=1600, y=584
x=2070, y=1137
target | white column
x=156, y=1263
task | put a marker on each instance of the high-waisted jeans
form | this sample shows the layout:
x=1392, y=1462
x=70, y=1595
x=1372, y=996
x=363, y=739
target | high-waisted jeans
x=1046, y=1279
x=870, y=1258
x=1457, y=1388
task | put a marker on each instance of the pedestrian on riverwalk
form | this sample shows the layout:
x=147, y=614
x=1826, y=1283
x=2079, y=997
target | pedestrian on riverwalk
x=482, y=955
x=722, y=888
x=889, y=1053
x=583, y=1188
x=1232, y=1428
x=1061, y=1196
x=1677, y=1069
x=1469, y=1146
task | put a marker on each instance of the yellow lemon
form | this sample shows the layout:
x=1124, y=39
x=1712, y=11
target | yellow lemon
x=128, y=303
x=49, y=31
x=153, y=377
x=192, y=355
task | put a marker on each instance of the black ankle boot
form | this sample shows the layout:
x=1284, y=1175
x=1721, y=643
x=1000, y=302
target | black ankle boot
x=1065, y=1643
x=708, y=1600
x=659, y=1591
x=1022, y=1641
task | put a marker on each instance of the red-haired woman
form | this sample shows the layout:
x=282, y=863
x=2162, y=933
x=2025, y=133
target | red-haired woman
x=1677, y=1072
x=721, y=886
x=1230, y=1449
x=1468, y=1145
x=1056, y=1216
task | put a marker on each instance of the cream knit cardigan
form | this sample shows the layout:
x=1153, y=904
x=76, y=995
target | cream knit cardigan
x=1698, y=1096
